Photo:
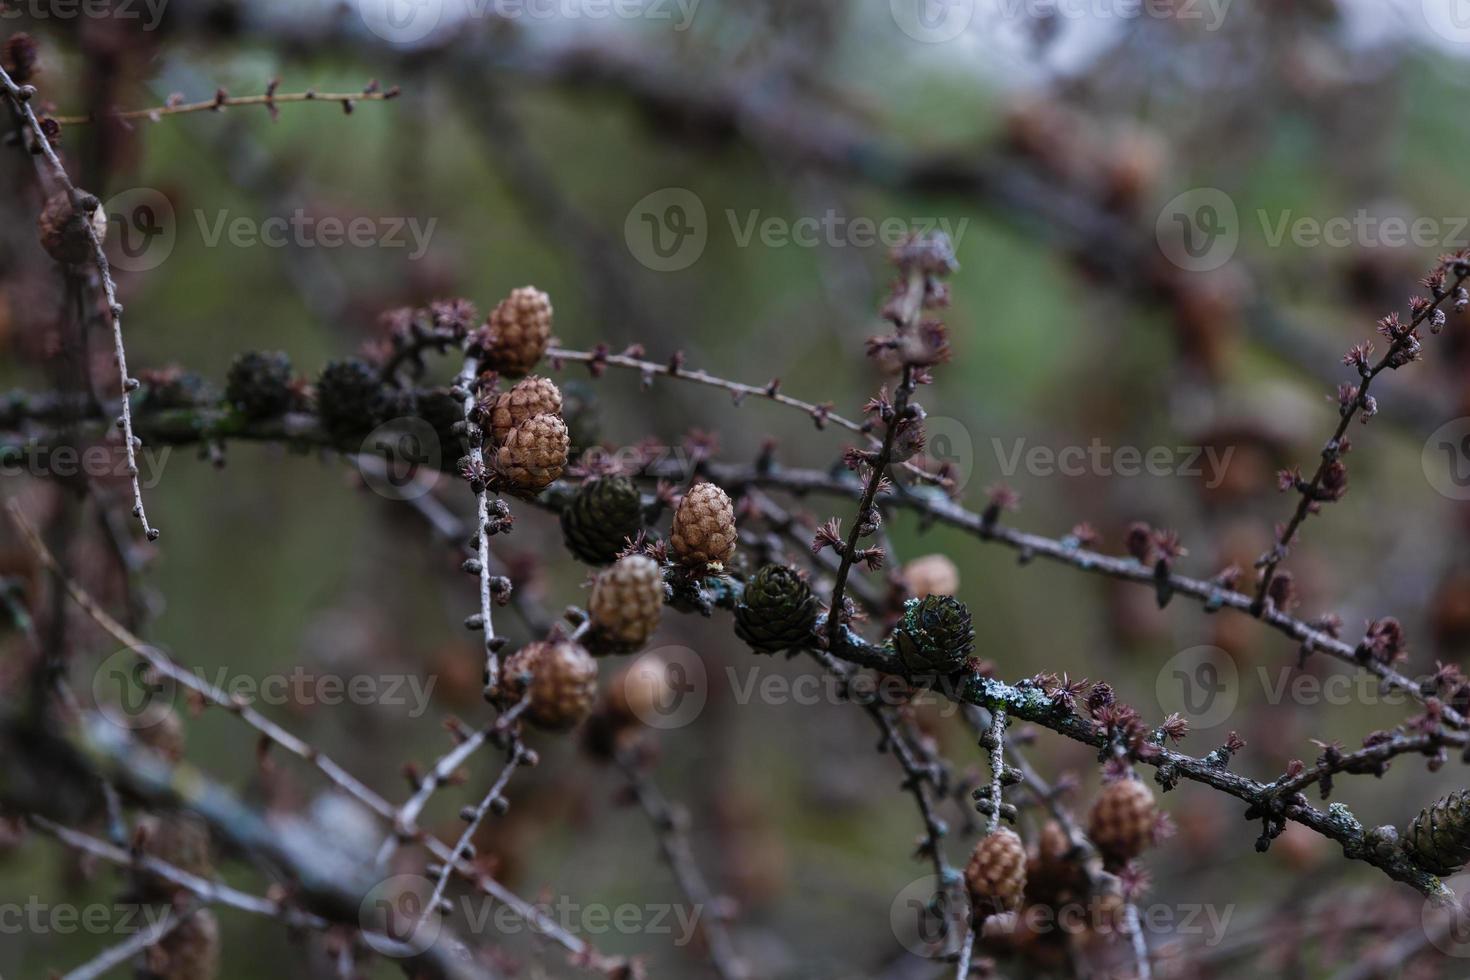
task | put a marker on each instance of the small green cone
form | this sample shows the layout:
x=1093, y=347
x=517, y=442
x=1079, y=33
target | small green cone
x=1438, y=839
x=349, y=398
x=935, y=636
x=259, y=384
x=777, y=611
x=605, y=512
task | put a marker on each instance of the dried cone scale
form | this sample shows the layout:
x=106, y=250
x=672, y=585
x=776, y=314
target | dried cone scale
x=996, y=874
x=527, y=399
x=534, y=454
x=627, y=600
x=1122, y=820
x=561, y=679
x=518, y=331
x=704, y=527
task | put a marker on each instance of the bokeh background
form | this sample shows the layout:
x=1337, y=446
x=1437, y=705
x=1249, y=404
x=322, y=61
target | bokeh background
x=1053, y=140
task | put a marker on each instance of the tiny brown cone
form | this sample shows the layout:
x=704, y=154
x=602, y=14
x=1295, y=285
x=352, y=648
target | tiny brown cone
x=627, y=600
x=534, y=454
x=931, y=575
x=996, y=874
x=518, y=331
x=704, y=527
x=190, y=952
x=561, y=679
x=1122, y=820
x=529, y=398
x=63, y=228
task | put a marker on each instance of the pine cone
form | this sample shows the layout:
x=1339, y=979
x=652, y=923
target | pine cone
x=1122, y=820
x=931, y=575
x=597, y=523
x=63, y=228
x=349, y=397
x=1438, y=839
x=562, y=679
x=626, y=602
x=534, y=453
x=642, y=691
x=996, y=874
x=190, y=951
x=935, y=636
x=704, y=526
x=530, y=397
x=1053, y=875
x=19, y=56
x=173, y=387
x=777, y=611
x=182, y=839
x=518, y=331
x=259, y=384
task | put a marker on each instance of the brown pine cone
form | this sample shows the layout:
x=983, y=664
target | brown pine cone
x=63, y=228
x=190, y=951
x=931, y=575
x=529, y=398
x=996, y=874
x=182, y=839
x=534, y=453
x=1052, y=873
x=1122, y=820
x=562, y=682
x=518, y=331
x=626, y=602
x=704, y=526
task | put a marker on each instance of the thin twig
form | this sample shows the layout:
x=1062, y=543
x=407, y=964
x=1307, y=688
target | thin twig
x=223, y=101
x=115, y=956
x=21, y=98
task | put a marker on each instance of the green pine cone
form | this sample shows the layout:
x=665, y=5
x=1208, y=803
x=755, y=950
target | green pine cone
x=777, y=611
x=1438, y=839
x=259, y=384
x=349, y=397
x=935, y=635
x=605, y=512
